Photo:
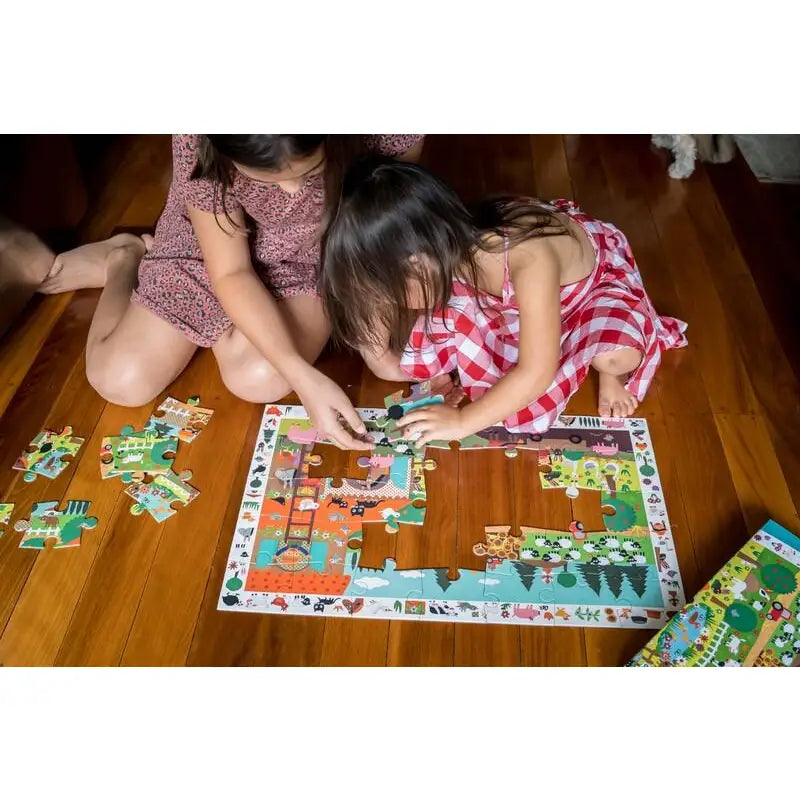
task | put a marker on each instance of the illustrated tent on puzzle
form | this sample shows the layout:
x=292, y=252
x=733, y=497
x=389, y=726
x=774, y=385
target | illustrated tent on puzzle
x=298, y=539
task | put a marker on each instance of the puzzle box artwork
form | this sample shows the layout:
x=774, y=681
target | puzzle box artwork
x=297, y=543
x=745, y=616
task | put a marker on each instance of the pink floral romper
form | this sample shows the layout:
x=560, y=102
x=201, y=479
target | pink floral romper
x=173, y=282
x=607, y=310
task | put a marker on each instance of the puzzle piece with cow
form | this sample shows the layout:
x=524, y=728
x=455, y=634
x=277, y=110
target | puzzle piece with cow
x=48, y=523
x=309, y=544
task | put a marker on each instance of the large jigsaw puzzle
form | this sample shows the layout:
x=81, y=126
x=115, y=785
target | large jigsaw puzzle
x=298, y=540
x=46, y=522
x=47, y=453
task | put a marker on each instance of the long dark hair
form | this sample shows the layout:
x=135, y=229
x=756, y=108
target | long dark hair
x=217, y=153
x=390, y=211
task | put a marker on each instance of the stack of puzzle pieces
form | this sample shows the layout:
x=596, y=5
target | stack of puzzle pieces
x=143, y=459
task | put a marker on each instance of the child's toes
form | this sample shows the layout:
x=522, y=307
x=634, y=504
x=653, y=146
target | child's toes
x=604, y=407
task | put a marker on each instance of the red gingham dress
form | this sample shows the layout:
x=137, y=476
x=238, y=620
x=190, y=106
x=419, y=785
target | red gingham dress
x=607, y=310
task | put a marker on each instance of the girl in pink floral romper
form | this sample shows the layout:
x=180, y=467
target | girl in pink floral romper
x=233, y=266
x=520, y=298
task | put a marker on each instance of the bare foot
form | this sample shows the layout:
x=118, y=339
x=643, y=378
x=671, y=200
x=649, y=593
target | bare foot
x=86, y=267
x=615, y=400
x=24, y=258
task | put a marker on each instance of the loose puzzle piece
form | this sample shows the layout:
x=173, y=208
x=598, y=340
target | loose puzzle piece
x=136, y=452
x=158, y=495
x=184, y=420
x=63, y=527
x=500, y=543
x=5, y=514
x=46, y=454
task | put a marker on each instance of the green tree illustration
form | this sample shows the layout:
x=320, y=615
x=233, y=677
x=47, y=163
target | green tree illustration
x=527, y=572
x=442, y=579
x=646, y=469
x=624, y=517
x=613, y=575
x=566, y=578
x=637, y=577
x=592, y=575
x=778, y=578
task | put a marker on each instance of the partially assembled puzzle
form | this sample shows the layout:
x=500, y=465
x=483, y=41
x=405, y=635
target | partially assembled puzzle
x=746, y=615
x=298, y=539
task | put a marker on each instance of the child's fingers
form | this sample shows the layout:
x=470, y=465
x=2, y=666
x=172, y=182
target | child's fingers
x=352, y=418
x=347, y=441
x=420, y=415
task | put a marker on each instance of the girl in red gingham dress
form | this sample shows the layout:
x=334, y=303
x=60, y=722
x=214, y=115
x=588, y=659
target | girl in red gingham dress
x=520, y=298
x=233, y=267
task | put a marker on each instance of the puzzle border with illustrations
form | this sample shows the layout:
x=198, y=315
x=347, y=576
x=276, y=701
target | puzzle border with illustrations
x=310, y=589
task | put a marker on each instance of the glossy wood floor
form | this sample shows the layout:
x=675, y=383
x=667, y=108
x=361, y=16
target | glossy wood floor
x=717, y=250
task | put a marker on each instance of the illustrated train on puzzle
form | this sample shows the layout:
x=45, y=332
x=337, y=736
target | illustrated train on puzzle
x=298, y=542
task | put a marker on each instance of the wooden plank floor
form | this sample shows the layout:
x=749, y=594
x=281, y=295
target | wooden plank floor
x=716, y=250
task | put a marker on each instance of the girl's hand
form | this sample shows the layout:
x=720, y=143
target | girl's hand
x=326, y=404
x=426, y=424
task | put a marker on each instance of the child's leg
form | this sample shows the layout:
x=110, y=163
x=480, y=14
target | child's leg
x=25, y=262
x=131, y=354
x=248, y=374
x=614, y=367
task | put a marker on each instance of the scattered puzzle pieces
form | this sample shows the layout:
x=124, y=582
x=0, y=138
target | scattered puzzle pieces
x=47, y=453
x=63, y=527
x=182, y=420
x=135, y=453
x=5, y=514
x=158, y=495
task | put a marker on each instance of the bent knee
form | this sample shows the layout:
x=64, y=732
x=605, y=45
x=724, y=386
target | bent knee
x=616, y=362
x=255, y=383
x=123, y=384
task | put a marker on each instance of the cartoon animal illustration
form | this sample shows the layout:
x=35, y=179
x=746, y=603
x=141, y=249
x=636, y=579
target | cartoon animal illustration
x=526, y=612
x=500, y=543
x=733, y=644
x=300, y=435
x=286, y=476
x=280, y=603
x=353, y=606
